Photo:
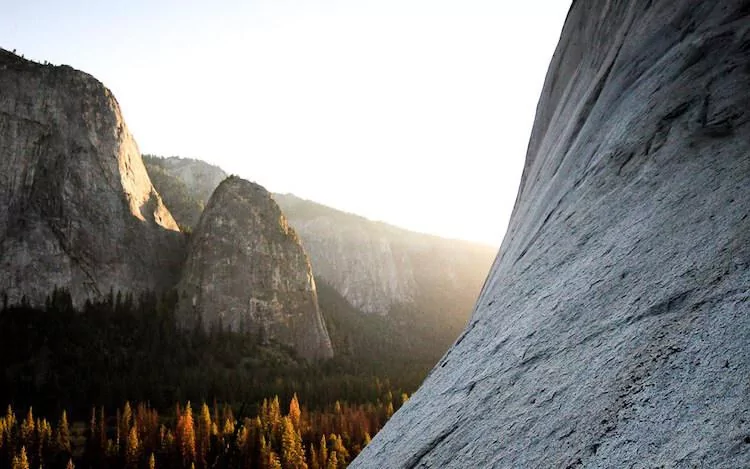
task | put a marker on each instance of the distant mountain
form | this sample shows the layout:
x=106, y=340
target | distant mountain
x=424, y=284
x=201, y=177
x=382, y=269
x=185, y=184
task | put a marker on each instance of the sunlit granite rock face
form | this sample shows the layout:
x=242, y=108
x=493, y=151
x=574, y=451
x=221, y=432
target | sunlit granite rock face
x=613, y=328
x=247, y=271
x=77, y=208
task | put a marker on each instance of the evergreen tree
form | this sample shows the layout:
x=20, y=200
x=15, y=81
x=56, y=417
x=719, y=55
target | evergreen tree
x=337, y=446
x=44, y=437
x=295, y=413
x=389, y=410
x=228, y=428
x=268, y=457
x=62, y=437
x=323, y=450
x=102, y=429
x=27, y=429
x=274, y=418
x=132, y=448
x=126, y=420
x=203, y=435
x=314, y=464
x=10, y=429
x=186, y=435
x=20, y=461
x=292, y=452
x=333, y=461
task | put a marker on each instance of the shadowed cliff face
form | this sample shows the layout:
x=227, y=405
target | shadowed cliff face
x=246, y=270
x=77, y=208
x=613, y=328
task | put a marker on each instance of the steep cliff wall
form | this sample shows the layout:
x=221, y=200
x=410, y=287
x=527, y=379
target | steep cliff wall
x=613, y=328
x=247, y=271
x=77, y=208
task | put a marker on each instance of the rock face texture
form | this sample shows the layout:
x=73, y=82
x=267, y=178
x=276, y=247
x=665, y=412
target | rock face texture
x=376, y=266
x=247, y=271
x=613, y=328
x=77, y=208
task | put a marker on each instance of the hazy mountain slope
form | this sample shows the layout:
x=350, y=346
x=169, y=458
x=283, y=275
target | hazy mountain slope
x=383, y=269
x=613, y=328
x=77, y=207
x=183, y=203
x=201, y=177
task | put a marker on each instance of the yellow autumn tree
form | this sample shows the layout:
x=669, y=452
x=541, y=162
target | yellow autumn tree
x=274, y=420
x=125, y=421
x=295, y=413
x=268, y=457
x=323, y=455
x=337, y=446
x=20, y=461
x=186, y=436
x=292, y=452
x=62, y=437
x=27, y=428
x=203, y=435
x=132, y=448
x=314, y=464
x=333, y=461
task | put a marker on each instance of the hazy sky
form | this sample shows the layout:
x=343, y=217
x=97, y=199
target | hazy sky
x=414, y=112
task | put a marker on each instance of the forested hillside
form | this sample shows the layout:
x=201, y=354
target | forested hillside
x=90, y=362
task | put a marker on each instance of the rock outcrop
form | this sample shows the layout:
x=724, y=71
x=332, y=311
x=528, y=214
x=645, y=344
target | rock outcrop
x=247, y=271
x=613, y=328
x=77, y=208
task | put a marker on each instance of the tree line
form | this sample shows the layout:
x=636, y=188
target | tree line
x=137, y=436
x=130, y=348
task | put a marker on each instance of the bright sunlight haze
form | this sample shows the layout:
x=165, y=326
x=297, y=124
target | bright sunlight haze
x=413, y=112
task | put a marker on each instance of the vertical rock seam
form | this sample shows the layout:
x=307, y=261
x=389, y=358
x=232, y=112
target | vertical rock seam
x=613, y=328
x=246, y=271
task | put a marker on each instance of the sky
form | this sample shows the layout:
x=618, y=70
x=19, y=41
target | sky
x=412, y=112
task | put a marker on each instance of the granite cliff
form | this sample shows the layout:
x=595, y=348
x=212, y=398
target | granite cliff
x=425, y=285
x=612, y=330
x=77, y=207
x=247, y=271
